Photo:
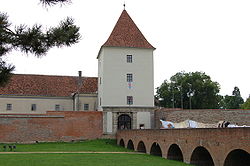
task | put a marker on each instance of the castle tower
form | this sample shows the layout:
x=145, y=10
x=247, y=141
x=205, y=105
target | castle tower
x=126, y=78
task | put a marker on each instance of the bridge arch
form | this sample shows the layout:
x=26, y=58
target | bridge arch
x=156, y=149
x=141, y=147
x=201, y=157
x=237, y=157
x=175, y=153
x=130, y=145
x=121, y=143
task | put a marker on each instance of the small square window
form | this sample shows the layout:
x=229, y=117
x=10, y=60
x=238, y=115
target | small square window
x=129, y=59
x=86, y=107
x=130, y=100
x=57, y=107
x=129, y=77
x=9, y=107
x=33, y=107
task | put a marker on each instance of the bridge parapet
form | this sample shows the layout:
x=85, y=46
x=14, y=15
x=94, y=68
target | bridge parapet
x=213, y=146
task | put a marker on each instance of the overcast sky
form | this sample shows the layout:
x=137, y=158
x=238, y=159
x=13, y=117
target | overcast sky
x=212, y=36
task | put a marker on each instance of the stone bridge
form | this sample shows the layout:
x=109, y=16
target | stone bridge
x=202, y=147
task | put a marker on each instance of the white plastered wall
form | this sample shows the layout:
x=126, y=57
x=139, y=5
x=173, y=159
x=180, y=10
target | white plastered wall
x=90, y=99
x=144, y=118
x=109, y=122
x=22, y=104
x=100, y=79
x=113, y=68
x=43, y=104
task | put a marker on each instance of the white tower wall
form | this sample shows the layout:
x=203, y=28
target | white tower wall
x=112, y=73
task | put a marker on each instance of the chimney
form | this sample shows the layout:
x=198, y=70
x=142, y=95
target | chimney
x=78, y=90
x=80, y=74
x=79, y=79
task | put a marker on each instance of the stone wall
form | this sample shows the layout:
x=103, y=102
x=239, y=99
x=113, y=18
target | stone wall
x=241, y=117
x=191, y=143
x=52, y=126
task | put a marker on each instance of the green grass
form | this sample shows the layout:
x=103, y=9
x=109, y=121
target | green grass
x=76, y=159
x=85, y=159
x=99, y=145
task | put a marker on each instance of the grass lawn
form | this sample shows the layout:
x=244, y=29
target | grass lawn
x=85, y=159
x=76, y=159
x=99, y=145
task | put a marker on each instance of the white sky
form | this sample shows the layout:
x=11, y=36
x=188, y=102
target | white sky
x=212, y=36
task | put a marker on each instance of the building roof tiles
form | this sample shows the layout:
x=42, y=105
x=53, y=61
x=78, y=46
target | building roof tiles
x=127, y=34
x=47, y=85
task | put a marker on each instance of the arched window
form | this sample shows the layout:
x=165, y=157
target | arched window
x=124, y=122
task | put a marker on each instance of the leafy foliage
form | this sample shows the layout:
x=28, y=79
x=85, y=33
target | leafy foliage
x=246, y=105
x=5, y=72
x=185, y=90
x=234, y=101
x=53, y=2
x=34, y=40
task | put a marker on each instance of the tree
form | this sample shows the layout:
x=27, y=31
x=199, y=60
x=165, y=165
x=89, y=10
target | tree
x=236, y=92
x=246, y=105
x=193, y=90
x=33, y=39
x=234, y=101
x=53, y=2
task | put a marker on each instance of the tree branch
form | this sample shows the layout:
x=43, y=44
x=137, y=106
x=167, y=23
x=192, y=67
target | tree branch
x=53, y=2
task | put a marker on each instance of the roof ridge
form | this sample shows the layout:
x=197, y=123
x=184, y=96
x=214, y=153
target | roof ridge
x=52, y=75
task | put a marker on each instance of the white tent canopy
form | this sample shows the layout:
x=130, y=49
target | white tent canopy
x=186, y=124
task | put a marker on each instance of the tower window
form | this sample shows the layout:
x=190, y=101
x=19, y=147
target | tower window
x=129, y=59
x=130, y=100
x=129, y=77
x=9, y=107
x=57, y=107
x=33, y=107
x=86, y=107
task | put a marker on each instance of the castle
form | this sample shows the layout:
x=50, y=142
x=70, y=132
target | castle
x=123, y=90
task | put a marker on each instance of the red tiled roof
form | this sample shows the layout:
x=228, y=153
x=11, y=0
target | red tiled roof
x=47, y=85
x=127, y=34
